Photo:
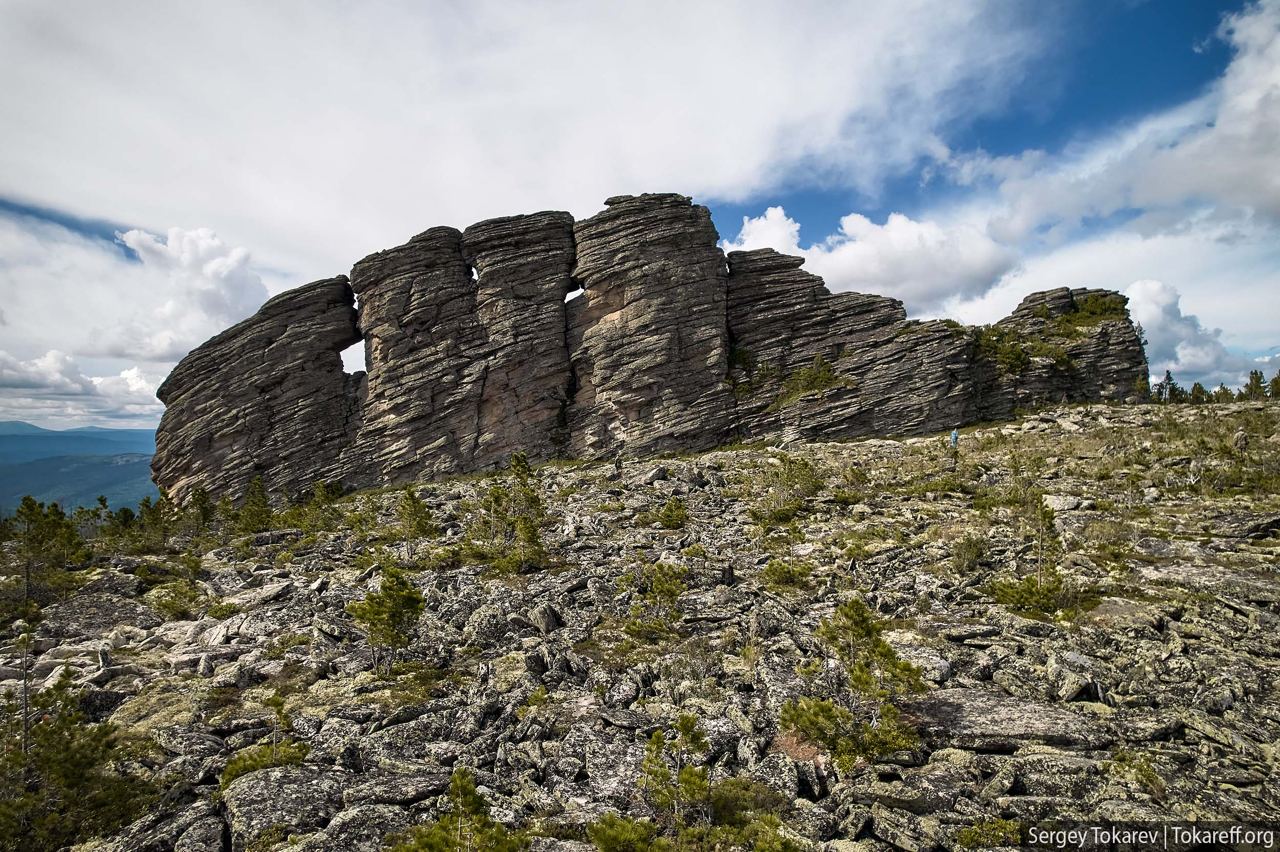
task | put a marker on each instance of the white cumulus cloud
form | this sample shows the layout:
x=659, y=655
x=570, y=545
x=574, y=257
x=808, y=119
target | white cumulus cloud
x=1179, y=343
x=52, y=373
x=209, y=286
x=923, y=263
x=85, y=295
x=319, y=131
x=92, y=323
x=52, y=389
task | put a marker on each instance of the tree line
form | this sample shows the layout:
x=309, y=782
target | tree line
x=1257, y=388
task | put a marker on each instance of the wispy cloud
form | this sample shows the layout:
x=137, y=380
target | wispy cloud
x=53, y=390
x=91, y=329
x=1180, y=207
x=317, y=132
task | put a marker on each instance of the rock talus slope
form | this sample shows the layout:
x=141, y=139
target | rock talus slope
x=1140, y=686
x=473, y=353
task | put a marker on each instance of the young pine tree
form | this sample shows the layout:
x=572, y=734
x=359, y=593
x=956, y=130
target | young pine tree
x=388, y=615
x=507, y=520
x=1254, y=389
x=678, y=793
x=56, y=783
x=465, y=827
x=255, y=511
x=46, y=542
x=416, y=520
x=866, y=725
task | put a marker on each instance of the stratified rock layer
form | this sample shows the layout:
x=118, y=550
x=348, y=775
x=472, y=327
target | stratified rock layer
x=265, y=397
x=463, y=371
x=473, y=353
x=648, y=336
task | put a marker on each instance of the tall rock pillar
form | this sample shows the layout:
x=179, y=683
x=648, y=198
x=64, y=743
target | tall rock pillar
x=648, y=337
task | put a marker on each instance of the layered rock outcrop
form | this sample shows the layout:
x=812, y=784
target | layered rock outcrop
x=648, y=336
x=267, y=397
x=627, y=332
x=463, y=371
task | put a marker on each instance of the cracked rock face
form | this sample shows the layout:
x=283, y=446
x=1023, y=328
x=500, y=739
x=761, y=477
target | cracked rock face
x=648, y=337
x=463, y=372
x=473, y=353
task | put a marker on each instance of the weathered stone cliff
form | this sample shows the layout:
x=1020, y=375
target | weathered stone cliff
x=473, y=352
x=265, y=397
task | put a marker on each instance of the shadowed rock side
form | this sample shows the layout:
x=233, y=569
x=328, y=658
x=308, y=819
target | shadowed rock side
x=265, y=397
x=1091, y=349
x=473, y=353
x=888, y=375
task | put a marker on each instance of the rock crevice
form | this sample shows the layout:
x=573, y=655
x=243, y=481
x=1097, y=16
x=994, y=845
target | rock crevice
x=474, y=350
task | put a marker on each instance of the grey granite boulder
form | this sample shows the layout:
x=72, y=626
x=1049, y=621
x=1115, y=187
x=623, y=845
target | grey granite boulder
x=286, y=799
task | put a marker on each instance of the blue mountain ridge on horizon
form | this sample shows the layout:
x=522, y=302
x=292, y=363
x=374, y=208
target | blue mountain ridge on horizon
x=72, y=467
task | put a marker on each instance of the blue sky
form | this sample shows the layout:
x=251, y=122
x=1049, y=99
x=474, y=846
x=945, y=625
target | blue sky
x=164, y=169
x=1110, y=63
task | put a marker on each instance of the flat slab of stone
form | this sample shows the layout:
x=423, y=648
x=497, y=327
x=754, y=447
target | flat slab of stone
x=1255, y=588
x=985, y=720
x=96, y=615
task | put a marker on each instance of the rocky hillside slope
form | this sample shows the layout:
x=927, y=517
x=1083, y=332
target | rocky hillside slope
x=1089, y=596
x=476, y=347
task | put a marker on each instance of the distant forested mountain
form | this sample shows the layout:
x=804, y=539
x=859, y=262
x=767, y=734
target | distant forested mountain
x=22, y=442
x=74, y=466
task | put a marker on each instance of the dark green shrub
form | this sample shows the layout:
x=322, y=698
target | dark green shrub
x=787, y=574
x=836, y=730
x=784, y=487
x=506, y=522
x=995, y=832
x=854, y=635
x=46, y=544
x=691, y=811
x=1003, y=347
x=416, y=520
x=818, y=375
x=255, y=513
x=673, y=515
x=870, y=726
x=388, y=614
x=263, y=756
x=613, y=833
x=1044, y=594
x=57, y=787
x=181, y=599
x=968, y=553
x=319, y=514
x=467, y=826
